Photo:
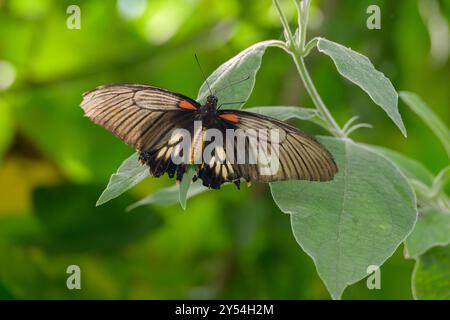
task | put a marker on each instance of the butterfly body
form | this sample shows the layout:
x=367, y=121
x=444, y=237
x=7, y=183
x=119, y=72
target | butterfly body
x=150, y=118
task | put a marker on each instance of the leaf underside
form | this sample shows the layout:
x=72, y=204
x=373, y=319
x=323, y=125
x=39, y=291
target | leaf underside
x=358, y=69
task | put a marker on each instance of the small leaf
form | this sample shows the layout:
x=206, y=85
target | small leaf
x=285, y=113
x=431, y=230
x=169, y=196
x=185, y=185
x=242, y=66
x=429, y=117
x=413, y=169
x=357, y=220
x=432, y=274
x=129, y=174
x=359, y=70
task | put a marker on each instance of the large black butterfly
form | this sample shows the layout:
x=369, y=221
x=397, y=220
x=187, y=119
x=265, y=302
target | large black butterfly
x=146, y=118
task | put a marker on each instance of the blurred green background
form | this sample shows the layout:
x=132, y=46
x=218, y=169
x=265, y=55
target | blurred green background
x=54, y=163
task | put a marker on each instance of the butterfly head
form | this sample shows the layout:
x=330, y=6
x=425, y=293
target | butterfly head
x=211, y=102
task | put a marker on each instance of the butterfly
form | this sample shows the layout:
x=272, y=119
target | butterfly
x=147, y=118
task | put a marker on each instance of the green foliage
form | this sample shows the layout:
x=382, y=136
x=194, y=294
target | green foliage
x=185, y=184
x=426, y=114
x=359, y=70
x=413, y=169
x=170, y=195
x=247, y=251
x=129, y=174
x=336, y=223
x=431, y=230
x=244, y=65
x=355, y=221
x=432, y=274
x=285, y=113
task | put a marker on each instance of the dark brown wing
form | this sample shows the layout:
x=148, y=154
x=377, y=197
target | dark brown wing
x=301, y=157
x=138, y=114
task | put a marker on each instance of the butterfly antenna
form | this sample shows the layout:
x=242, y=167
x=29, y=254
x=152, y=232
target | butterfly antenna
x=204, y=76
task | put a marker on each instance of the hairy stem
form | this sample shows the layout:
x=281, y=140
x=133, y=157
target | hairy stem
x=315, y=97
x=284, y=22
x=298, y=52
x=304, y=8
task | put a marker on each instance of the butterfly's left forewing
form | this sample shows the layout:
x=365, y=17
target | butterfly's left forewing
x=140, y=115
x=144, y=117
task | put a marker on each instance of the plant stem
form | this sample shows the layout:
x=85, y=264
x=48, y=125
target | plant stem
x=298, y=52
x=304, y=6
x=284, y=22
x=315, y=97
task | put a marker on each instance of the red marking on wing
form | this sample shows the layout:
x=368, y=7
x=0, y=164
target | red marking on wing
x=230, y=117
x=186, y=105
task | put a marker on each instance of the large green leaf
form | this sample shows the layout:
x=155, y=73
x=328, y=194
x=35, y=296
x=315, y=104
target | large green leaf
x=355, y=221
x=242, y=66
x=432, y=229
x=359, y=70
x=430, y=118
x=284, y=113
x=129, y=174
x=432, y=275
x=413, y=169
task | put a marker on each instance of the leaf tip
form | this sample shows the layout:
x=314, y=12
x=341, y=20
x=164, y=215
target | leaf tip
x=403, y=130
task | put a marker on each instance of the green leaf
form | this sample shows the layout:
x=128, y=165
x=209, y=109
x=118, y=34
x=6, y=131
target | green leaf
x=432, y=274
x=429, y=117
x=357, y=220
x=68, y=216
x=285, y=113
x=413, y=169
x=242, y=66
x=185, y=184
x=359, y=70
x=432, y=229
x=129, y=174
x=169, y=196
